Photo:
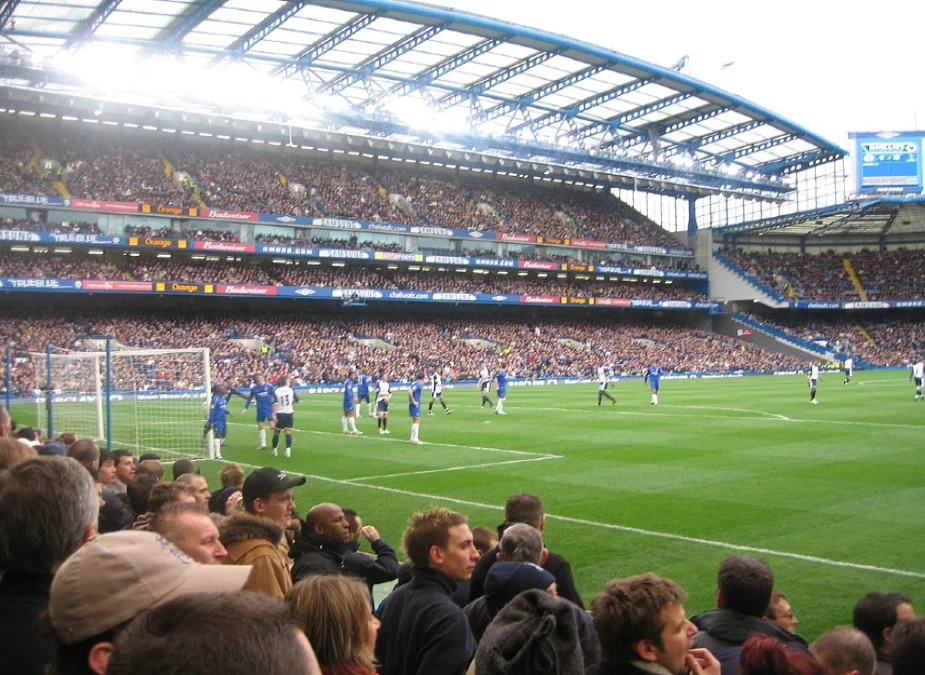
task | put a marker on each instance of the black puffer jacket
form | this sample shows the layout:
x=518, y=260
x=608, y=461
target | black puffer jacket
x=724, y=631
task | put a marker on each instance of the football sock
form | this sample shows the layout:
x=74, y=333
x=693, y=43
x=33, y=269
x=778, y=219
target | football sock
x=352, y=422
x=275, y=440
x=430, y=406
x=343, y=424
x=263, y=438
x=385, y=423
x=288, y=443
x=443, y=404
x=415, y=427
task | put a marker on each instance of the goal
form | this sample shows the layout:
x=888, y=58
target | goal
x=150, y=400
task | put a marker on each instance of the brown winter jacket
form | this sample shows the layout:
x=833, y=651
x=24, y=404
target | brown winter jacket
x=257, y=541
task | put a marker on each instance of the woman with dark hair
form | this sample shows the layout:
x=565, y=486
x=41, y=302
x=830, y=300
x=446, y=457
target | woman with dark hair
x=338, y=621
x=767, y=655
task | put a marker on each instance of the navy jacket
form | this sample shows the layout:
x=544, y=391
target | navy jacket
x=724, y=631
x=314, y=554
x=555, y=565
x=423, y=631
x=23, y=599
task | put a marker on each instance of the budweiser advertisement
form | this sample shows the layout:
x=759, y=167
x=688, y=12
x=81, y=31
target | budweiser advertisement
x=94, y=205
x=225, y=246
x=520, y=238
x=245, y=289
x=222, y=214
x=537, y=265
x=541, y=299
x=128, y=286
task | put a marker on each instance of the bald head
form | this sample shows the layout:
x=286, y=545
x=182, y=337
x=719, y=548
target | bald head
x=328, y=521
x=521, y=543
x=845, y=651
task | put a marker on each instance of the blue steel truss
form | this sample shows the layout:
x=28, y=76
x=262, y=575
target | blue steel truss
x=88, y=26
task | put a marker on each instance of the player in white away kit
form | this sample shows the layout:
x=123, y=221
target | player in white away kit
x=485, y=386
x=383, y=396
x=918, y=373
x=283, y=400
x=849, y=370
x=436, y=394
x=813, y=379
x=603, y=379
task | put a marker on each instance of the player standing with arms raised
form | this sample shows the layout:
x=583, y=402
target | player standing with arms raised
x=652, y=376
x=814, y=378
x=603, y=379
x=918, y=374
x=262, y=393
x=283, y=400
x=383, y=396
x=436, y=393
x=414, y=406
x=501, y=377
x=348, y=421
x=485, y=385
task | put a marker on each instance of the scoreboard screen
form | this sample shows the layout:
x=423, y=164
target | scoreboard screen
x=889, y=162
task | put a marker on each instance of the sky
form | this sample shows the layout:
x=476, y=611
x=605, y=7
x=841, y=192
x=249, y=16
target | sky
x=832, y=67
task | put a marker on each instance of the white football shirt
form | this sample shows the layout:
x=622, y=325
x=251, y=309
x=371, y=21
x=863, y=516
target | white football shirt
x=285, y=398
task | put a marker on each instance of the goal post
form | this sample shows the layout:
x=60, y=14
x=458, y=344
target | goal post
x=143, y=400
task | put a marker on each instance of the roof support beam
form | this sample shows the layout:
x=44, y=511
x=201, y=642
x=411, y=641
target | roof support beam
x=6, y=12
x=448, y=64
x=588, y=103
x=616, y=123
x=803, y=160
x=475, y=90
x=757, y=147
x=87, y=27
x=728, y=132
x=322, y=46
x=176, y=31
x=387, y=55
x=536, y=94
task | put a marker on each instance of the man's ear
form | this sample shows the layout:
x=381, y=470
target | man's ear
x=500, y=556
x=542, y=523
x=719, y=599
x=888, y=636
x=435, y=554
x=544, y=556
x=647, y=651
x=98, y=658
x=88, y=533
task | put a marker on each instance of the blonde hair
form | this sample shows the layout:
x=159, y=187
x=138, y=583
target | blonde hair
x=13, y=452
x=335, y=611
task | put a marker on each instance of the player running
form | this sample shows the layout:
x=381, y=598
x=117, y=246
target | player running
x=262, y=393
x=918, y=374
x=436, y=393
x=501, y=377
x=218, y=418
x=414, y=406
x=603, y=379
x=485, y=386
x=383, y=396
x=283, y=400
x=814, y=378
x=363, y=384
x=652, y=376
x=348, y=422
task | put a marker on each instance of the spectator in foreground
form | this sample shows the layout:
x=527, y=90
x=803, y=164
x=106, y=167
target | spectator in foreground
x=125, y=470
x=767, y=655
x=907, y=655
x=256, y=536
x=141, y=570
x=190, y=529
x=337, y=619
x=642, y=628
x=875, y=614
x=423, y=631
x=780, y=613
x=56, y=496
x=13, y=452
x=744, y=592
x=845, y=651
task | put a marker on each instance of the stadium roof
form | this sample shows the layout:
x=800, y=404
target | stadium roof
x=405, y=71
x=875, y=216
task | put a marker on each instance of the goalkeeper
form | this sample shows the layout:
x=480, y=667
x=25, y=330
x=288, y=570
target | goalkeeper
x=218, y=418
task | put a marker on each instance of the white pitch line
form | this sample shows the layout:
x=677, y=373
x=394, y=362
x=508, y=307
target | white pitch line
x=455, y=468
x=630, y=530
x=441, y=445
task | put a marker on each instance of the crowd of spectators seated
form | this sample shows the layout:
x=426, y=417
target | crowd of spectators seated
x=350, y=244
x=890, y=275
x=64, y=227
x=238, y=580
x=18, y=172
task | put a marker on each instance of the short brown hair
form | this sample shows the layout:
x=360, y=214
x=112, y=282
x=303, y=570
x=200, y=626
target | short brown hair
x=524, y=508
x=68, y=438
x=152, y=467
x=629, y=610
x=484, y=538
x=745, y=582
x=164, y=521
x=231, y=475
x=13, y=452
x=427, y=529
x=844, y=649
x=907, y=653
x=776, y=597
x=165, y=492
x=193, y=635
x=335, y=612
x=139, y=492
x=85, y=451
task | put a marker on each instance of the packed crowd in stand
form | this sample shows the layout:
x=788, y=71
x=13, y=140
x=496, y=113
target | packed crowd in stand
x=126, y=168
x=890, y=275
x=897, y=341
x=321, y=349
x=236, y=579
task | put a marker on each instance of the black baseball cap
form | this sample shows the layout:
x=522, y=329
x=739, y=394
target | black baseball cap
x=263, y=481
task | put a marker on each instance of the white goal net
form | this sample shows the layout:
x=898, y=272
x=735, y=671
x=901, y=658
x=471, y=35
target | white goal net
x=140, y=400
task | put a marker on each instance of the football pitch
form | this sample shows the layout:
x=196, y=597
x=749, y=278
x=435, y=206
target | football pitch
x=831, y=495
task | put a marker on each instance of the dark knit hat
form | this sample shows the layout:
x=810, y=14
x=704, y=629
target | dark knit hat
x=218, y=499
x=505, y=580
x=535, y=634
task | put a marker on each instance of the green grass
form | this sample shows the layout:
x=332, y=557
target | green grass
x=720, y=463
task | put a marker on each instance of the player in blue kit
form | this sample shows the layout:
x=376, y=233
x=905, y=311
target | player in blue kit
x=652, y=377
x=351, y=404
x=501, y=377
x=414, y=406
x=262, y=393
x=218, y=418
x=363, y=384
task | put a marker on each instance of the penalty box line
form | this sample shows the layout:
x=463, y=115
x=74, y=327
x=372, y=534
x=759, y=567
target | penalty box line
x=818, y=560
